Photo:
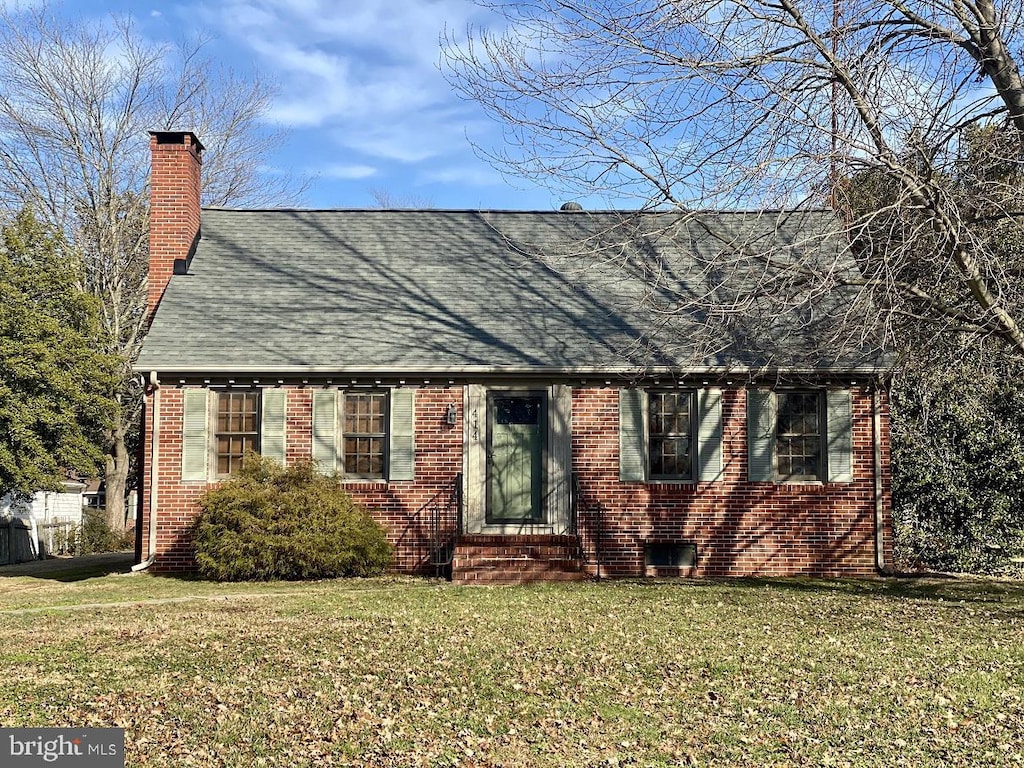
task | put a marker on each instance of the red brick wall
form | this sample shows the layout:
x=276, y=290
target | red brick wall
x=175, y=500
x=740, y=528
x=398, y=505
x=173, y=205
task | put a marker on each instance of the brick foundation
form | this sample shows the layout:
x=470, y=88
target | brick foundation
x=740, y=528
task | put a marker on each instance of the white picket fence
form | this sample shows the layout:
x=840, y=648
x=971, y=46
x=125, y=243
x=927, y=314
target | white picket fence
x=60, y=537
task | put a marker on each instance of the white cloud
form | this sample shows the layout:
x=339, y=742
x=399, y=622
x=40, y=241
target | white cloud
x=288, y=57
x=463, y=176
x=343, y=171
x=399, y=142
x=363, y=70
x=405, y=30
x=360, y=78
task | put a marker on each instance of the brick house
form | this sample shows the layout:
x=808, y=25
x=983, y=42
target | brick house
x=504, y=390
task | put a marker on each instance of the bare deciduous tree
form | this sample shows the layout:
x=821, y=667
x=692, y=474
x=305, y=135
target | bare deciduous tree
x=76, y=102
x=780, y=105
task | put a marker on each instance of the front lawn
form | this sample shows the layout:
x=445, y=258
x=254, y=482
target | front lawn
x=406, y=672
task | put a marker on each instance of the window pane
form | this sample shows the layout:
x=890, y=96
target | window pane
x=670, y=426
x=798, y=439
x=364, y=456
x=365, y=430
x=223, y=460
x=517, y=410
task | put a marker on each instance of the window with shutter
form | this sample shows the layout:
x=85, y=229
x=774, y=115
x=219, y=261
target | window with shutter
x=222, y=426
x=670, y=435
x=800, y=436
x=365, y=434
x=236, y=430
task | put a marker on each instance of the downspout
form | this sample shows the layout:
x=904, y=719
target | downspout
x=154, y=455
x=876, y=424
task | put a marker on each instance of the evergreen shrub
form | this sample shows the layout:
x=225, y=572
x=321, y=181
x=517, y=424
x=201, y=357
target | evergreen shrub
x=273, y=522
x=96, y=535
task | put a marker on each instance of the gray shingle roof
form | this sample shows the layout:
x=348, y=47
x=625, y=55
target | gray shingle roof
x=415, y=291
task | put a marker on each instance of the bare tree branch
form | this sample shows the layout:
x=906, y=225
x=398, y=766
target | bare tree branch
x=76, y=103
x=902, y=116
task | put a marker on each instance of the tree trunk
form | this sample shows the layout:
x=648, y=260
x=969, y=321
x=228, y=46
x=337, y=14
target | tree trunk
x=117, y=479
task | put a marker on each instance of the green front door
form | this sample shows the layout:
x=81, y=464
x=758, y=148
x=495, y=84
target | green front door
x=517, y=430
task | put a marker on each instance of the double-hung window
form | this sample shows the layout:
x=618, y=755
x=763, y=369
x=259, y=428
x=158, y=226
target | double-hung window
x=670, y=435
x=237, y=429
x=800, y=436
x=364, y=434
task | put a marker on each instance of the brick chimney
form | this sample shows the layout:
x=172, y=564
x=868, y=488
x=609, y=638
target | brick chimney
x=176, y=165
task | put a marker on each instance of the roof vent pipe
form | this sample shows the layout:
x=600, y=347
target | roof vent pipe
x=571, y=207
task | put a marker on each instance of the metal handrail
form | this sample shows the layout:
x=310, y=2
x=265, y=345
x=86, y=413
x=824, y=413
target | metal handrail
x=587, y=513
x=445, y=515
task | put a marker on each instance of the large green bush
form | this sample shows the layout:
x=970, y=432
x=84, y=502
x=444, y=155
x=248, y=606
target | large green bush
x=274, y=522
x=958, y=468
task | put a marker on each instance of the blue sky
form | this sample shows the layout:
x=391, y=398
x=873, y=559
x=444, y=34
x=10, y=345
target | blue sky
x=361, y=94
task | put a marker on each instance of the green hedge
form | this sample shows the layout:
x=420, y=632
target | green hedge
x=274, y=522
x=958, y=467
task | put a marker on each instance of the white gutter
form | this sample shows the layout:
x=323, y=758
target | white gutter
x=154, y=455
x=447, y=371
x=876, y=428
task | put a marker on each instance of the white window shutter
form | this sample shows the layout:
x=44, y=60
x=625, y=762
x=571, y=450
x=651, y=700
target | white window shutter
x=195, y=438
x=632, y=436
x=325, y=429
x=272, y=424
x=839, y=426
x=402, y=443
x=709, y=435
x=761, y=435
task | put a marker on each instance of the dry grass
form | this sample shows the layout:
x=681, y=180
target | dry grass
x=403, y=672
